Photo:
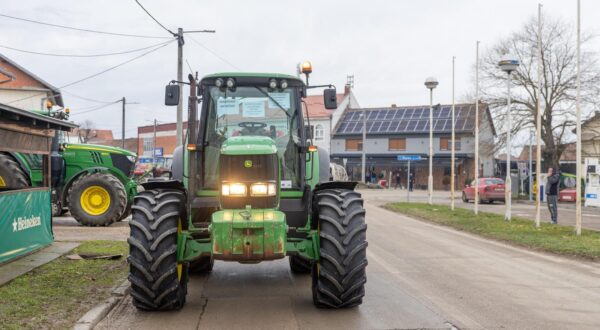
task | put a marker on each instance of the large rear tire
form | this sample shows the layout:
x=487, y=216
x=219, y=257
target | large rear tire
x=11, y=174
x=299, y=265
x=339, y=276
x=158, y=281
x=97, y=199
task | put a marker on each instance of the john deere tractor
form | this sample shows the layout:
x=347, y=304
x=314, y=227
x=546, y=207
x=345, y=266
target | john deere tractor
x=248, y=187
x=93, y=182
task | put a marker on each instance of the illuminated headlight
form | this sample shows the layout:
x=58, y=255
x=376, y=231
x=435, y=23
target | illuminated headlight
x=219, y=82
x=131, y=158
x=230, y=83
x=272, y=84
x=284, y=84
x=234, y=189
x=263, y=189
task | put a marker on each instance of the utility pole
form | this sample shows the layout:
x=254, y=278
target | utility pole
x=124, y=101
x=453, y=144
x=578, y=144
x=530, y=167
x=180, y=42
x=154, y=144
x=538, y=125
x=123, y=124
x=364, y=145
x=476, y=201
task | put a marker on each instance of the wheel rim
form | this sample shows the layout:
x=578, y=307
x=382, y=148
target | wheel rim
x=2, y=183
x=95, y=200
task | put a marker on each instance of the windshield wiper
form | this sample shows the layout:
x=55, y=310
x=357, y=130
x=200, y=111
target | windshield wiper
x=274, y=101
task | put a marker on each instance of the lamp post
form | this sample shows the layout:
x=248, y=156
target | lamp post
x=430, y=83
x=453, y=152
x=508, y=64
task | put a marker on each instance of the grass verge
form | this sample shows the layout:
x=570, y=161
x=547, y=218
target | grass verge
x=57, y=294
x=520, y=231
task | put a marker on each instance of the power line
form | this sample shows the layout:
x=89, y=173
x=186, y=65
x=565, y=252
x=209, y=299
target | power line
x=98, y=73
x=215, y=54
x=84, y=98
x=82, y=30
x=157, y=22
x=96, y=108
x=83, y=55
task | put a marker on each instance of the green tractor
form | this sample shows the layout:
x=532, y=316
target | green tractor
x=93, y=182
x=247, y=187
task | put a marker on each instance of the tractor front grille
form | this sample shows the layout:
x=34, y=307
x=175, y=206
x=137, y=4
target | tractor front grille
x=249, y=169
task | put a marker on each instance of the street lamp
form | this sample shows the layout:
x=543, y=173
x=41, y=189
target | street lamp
x=508, y=64
x=430, y=83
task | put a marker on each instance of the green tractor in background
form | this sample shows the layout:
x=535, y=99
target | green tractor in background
x=93, y=182
x=248, y=187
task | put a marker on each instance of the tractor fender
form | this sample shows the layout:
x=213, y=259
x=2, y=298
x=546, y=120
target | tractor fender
x=348, y=185
x=323, y=165
x=177, y=164
x=163, y=184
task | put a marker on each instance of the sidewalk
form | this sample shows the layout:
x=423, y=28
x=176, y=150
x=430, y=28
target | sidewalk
x=25, y=264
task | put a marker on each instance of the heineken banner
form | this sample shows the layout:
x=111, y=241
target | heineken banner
x=25, y=222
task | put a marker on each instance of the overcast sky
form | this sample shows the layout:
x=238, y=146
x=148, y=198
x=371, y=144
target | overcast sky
x=389, y=46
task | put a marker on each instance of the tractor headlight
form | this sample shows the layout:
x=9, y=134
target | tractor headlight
x=263, y=189
x=131, y=158
x=233, y=189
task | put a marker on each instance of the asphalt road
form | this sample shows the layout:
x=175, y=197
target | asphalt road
x=420, y=276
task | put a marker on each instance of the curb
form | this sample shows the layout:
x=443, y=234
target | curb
x=90, y=319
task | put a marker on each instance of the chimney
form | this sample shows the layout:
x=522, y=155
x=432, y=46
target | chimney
x=393, y=105
x=347, y=89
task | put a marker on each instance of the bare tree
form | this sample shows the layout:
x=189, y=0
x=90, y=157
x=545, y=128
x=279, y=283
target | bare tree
x=559, y=61
x=85, y=130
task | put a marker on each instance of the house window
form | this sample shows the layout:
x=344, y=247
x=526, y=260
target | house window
x=148, y=146
x=319, y=132
x=446, y=143
x=396, y=144
x=354, y=145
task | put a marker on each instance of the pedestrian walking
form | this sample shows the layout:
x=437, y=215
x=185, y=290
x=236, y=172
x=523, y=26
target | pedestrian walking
x=411, y=182
x=397, y=180
x=552, y=194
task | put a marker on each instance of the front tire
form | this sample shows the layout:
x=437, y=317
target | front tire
x=299, y=265
x=97, y=199
x=339, y=276
x=158, y=281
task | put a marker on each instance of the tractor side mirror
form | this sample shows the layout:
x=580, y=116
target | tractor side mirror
x=309, y=132
x=172, y=94
x=330, y=98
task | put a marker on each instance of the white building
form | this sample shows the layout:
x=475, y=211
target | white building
x=322, y=120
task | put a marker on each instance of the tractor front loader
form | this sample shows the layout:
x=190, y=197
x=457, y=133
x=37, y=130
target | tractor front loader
x=248, y=187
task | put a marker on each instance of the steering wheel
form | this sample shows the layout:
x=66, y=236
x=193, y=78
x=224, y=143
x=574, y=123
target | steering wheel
x=252, y=125
x=253, y=128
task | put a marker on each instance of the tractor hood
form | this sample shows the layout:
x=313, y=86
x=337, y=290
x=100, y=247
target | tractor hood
x=249, y=145
x=101, y=148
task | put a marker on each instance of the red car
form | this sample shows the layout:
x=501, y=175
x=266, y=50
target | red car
x=490, y=190
x=567, y=195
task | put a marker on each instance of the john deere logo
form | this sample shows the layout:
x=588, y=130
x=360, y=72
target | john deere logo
x=247, y=163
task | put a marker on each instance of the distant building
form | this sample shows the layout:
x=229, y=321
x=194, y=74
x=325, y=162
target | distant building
x=165, y=139
x=590, y=136
x=323, y=120
x=21, y=88
x=404, y=130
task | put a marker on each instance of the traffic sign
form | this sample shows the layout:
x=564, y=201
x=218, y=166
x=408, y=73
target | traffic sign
x=408, y=157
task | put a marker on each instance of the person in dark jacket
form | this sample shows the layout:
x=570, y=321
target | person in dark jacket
x=552, y=194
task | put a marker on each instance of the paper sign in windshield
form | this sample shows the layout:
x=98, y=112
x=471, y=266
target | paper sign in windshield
x=227, y=106
x=282, y=98
x=253, y=108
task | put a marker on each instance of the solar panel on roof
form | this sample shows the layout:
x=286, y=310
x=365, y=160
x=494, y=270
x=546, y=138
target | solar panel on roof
x=438, y=124
x=382, y=115
x=411, y=125
x=394, y=125
x=342, y=127
x=384, y=126
x=373, y=115
x=417, y=113
x=421, y=125
x=390, y=114
x=460, y=124
x=445, y=112
x=376, y=126
x=402, y=125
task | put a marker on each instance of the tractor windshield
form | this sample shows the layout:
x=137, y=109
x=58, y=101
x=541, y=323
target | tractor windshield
x=253, y=111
